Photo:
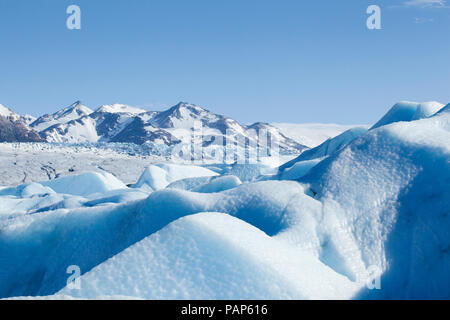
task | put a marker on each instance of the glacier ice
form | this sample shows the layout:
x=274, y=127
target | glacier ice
x=207, y=184
x=409, y=111
x=402, y=111
x=427, y=109
x=85, y=184
x=198, y=256
x=299, y=166
x=159, y=176
x=298, y=169
x=219, y=184
x=313, y=230
x=92, y=235
x=391, y=187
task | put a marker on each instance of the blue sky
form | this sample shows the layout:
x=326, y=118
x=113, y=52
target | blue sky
x=253, y=60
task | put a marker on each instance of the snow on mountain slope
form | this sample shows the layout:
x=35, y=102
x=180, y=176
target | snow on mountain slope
x=255, y=131
x=120, y=108
x=311, y=134
x=182, y=119
x=6, y=112
x=72, y=112
x=75, y=131
x=14, y=128
x=29, y=119
x=111, y=123
x=182, y=116
x=180, y=124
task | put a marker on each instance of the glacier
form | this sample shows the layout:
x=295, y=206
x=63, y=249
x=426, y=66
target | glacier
x=372, y=203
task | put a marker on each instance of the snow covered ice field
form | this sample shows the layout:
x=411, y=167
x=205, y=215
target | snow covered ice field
x=371, y=202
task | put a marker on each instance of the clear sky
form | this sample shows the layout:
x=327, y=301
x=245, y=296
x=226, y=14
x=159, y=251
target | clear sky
x=253, y=60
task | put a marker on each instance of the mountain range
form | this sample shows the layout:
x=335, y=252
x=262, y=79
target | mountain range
x=126, y=124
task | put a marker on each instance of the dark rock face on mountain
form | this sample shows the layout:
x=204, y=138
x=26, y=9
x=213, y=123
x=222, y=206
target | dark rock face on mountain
x=137, y=132
x=106, y=122
x=12, y=130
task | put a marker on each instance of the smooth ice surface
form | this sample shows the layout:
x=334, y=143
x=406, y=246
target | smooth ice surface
x=246, y=172
x=409, y=111
x=207, y=184
x=390, y=187
x=298, y=170
x=219, y=184
x=161, y=175
x=200, y=256
x=50, y=241
x=324, y=150
x=427, y=109
x=85, y=184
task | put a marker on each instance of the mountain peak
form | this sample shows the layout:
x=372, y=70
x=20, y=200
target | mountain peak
x=75, y=111
x=76, y=103
x=120, y=108
x=182, y=115
x=6, y=112
x=74, y=107
x=188, y=106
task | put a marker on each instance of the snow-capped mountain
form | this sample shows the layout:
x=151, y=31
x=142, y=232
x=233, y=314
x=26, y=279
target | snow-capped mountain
x=120, y=108
x=72, y=112
x=122, y=123
x=183, y=115
x=101, y=125
x=138, y=132
x=29, y=119
x=111, y=120
x=14, y=128
x=181, y=119
x=79, y=130
x=7, y=113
